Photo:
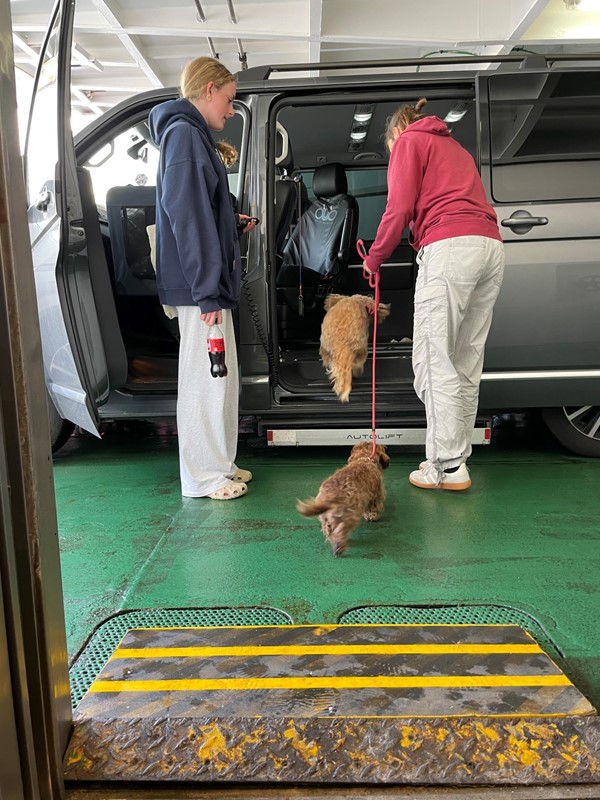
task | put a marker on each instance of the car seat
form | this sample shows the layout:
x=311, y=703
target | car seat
x=129, y=210
x=320, y=246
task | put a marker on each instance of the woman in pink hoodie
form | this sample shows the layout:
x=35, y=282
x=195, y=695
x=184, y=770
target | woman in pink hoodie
x=435, y=190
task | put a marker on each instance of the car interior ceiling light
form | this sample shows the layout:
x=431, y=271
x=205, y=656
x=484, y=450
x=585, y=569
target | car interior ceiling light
x=361, y=120
x=457, y=112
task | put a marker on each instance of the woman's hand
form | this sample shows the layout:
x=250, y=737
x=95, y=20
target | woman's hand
x=249, y=223
x=212, y=317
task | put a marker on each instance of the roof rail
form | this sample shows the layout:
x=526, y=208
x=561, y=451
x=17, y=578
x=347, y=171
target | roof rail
x=263, y=73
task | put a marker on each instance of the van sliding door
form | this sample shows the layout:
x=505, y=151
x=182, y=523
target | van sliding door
x=541, y=160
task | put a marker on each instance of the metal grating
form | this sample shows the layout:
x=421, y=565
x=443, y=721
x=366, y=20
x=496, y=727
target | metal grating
x=452, y=615
x=90, y=660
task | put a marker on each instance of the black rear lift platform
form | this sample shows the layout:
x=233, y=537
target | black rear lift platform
x=355, y=704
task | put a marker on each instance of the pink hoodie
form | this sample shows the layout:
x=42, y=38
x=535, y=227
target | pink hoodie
x=433, y=187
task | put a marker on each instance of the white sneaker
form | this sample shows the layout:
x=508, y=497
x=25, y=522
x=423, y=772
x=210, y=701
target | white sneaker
x=424, y=464
x=428, y=477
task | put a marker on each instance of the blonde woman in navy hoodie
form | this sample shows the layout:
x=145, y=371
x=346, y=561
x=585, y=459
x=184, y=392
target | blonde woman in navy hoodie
x=198, y=273
x=435, y=190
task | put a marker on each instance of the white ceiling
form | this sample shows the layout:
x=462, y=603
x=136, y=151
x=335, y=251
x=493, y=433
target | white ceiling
x=143, y=44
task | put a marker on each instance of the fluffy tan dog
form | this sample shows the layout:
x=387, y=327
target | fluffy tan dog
x=345, y=338
x=353, y=492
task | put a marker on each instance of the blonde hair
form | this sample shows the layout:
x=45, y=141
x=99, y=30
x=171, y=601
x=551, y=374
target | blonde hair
x=402, y=118
x=228, y=153
x=199, y=73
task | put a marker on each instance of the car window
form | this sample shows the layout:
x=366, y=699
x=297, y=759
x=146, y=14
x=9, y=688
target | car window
x=545, y=136
x=131, y=158
x=127, y=159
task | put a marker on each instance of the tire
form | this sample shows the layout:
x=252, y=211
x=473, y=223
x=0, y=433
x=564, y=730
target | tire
x=576, y=427
x=60, y=429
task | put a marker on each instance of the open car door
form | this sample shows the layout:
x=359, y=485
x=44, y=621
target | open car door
x=73, y=351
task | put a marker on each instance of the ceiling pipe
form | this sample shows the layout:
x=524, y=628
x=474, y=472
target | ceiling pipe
x=213, y=52
x=242, y=55
x=232, y=15
x=200, y=15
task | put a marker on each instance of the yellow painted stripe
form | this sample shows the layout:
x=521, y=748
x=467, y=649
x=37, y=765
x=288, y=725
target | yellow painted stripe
x=329, y=627
x=342, y=682
x=324, y=650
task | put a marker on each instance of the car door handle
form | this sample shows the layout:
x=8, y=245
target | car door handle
x=524, y=220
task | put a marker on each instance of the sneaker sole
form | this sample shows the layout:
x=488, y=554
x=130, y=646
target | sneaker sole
x=452, y=487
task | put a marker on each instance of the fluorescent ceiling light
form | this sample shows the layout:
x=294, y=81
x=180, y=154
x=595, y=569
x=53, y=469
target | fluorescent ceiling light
x=358, y=136
x=363, y=117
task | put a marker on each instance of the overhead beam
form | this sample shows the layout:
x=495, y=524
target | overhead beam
x=31, y=54
x=523, y=15
x=315, y=17
x=85, y=100
x=33, y=58
x=129, y=41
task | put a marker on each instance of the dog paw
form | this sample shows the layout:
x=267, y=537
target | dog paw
x=371, y=516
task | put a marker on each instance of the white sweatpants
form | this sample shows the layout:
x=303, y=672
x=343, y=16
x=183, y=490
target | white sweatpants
x=457, y=285
x=207, y=407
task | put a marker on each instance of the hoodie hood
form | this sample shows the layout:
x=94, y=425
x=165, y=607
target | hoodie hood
x=163, y=115
x=428, y=125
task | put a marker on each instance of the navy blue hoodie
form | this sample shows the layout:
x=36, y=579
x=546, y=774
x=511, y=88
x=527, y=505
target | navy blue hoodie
x=198, y=255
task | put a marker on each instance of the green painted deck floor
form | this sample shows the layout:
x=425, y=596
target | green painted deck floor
x=525, y=536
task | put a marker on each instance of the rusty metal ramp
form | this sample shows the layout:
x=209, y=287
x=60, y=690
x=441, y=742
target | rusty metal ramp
x=359, y=703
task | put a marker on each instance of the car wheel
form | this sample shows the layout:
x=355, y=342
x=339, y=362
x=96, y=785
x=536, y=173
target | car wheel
x=60, y=429
x=576, y=427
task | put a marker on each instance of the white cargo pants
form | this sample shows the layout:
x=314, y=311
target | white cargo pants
x=457, y=285
x=207, y=407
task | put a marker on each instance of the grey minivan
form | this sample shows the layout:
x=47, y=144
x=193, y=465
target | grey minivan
x=312, y=168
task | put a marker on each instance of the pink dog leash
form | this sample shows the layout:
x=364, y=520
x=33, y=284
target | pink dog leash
x=373, y=279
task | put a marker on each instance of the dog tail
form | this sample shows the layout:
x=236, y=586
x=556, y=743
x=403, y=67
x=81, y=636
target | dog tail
x=312, y=507
x=340, y=374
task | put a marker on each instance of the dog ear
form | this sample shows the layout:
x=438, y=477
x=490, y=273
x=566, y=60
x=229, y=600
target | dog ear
x=383, y=311
x=332, y=299
x=384, y=459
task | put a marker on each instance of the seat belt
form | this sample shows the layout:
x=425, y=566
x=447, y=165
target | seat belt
x=298, y=181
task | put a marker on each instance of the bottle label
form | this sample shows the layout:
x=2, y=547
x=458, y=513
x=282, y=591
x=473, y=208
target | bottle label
x=216, y=345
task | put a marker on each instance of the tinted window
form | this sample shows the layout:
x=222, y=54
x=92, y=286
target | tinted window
x=545, y=136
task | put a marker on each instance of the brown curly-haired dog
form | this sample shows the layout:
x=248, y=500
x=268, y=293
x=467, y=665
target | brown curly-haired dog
x=353, y=492
x=345, y=338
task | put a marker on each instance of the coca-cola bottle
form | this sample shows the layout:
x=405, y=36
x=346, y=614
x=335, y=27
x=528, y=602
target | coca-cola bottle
x=216, y=352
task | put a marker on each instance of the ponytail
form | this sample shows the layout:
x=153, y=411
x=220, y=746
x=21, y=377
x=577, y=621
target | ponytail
x=403, y=117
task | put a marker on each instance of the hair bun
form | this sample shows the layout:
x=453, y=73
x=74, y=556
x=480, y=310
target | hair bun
x=420, y=103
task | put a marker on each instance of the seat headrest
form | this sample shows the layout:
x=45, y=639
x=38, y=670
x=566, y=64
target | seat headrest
x=329, y=180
